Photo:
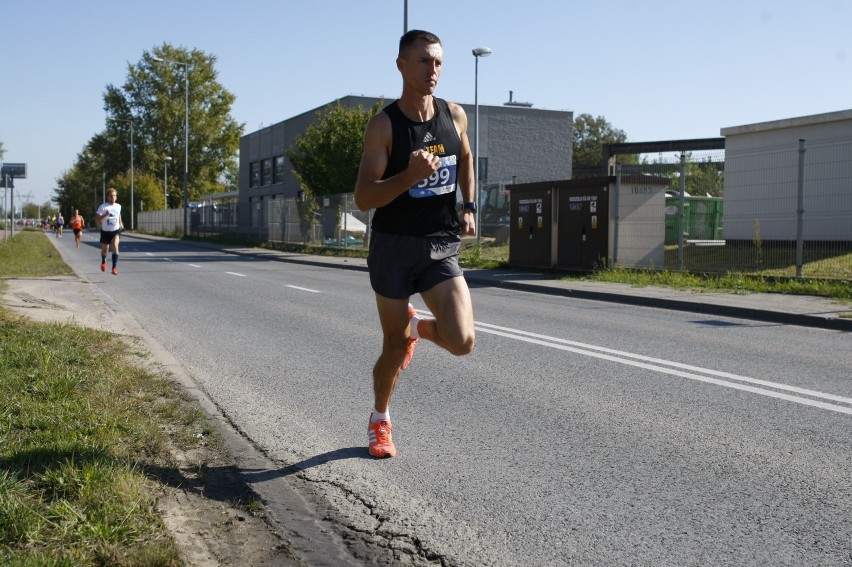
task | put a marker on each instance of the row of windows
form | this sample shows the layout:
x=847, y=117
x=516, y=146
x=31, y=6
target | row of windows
x=267, y=171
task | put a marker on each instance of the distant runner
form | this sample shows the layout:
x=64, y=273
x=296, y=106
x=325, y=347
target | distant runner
x=77, y=223
x=109, y=217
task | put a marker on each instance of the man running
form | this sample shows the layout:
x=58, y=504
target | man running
x=60, y=222
x=416, y=157
x=109, y=217
x=77, y=223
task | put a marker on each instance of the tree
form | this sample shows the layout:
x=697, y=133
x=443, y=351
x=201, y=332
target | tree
x=325, y=157
x=147, y=190
x=35, y=211
x=703, y=178
x=83, y=185
x=590, y=135
x=153, y=97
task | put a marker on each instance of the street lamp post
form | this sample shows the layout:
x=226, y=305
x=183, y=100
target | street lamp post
x=477, y=53
x=132, y=209
x=166, y=161
x=405, y=18
x=185, y=65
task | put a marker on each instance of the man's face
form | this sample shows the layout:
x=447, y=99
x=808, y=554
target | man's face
x=420, y=66
x=111, y=196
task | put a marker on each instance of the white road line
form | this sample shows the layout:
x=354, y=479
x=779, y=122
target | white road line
x=675, y=369
x=194, y=265
x=236, y=274
x=777, y=386
x=302, y=288
x=149, y=253
x=168, y=260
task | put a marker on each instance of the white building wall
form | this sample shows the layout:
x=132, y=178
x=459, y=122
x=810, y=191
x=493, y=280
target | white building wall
x=761, y=178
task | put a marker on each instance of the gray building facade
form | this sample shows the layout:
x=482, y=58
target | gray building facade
x=516, y=144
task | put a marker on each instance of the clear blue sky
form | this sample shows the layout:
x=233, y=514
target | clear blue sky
x=657, y=69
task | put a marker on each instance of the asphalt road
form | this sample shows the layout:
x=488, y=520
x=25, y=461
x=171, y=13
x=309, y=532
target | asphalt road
x=578, y=432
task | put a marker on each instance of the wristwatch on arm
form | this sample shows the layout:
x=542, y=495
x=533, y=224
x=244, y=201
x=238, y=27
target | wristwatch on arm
x=469, y=207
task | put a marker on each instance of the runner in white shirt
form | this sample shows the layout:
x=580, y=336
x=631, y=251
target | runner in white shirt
x=109, y=217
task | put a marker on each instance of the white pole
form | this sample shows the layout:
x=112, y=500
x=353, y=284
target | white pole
x=166, y=182
x=476, y=151
x=132, y=208
x=186, y=152
x=477, y=53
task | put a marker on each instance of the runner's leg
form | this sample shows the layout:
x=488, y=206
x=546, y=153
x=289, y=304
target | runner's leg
x=393, y=316
x=452, y=328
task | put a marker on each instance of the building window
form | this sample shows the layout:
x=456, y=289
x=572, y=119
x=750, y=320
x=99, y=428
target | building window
x=280, y=169
x=254, y=174
x=266, y=172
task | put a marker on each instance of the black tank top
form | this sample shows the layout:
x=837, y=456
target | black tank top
x=428, y=208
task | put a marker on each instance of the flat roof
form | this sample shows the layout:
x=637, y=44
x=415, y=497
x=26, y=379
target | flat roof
x=811, y=120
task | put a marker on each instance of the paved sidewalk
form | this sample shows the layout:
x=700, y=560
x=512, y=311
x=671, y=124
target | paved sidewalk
x=804, y=310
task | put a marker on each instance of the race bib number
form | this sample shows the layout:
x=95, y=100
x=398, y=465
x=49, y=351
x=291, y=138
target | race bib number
x=111, y=223
x=441, y=182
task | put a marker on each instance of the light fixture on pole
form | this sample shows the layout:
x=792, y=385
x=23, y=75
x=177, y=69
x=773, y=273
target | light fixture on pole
x=166, y=161
x=185, y=66
x=132, y=176
x=477, y=53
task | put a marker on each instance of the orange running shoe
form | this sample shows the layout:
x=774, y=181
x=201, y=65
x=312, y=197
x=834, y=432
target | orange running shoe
x=115, y=271
x=409, y=349
x=381, y=441
x=103, y=266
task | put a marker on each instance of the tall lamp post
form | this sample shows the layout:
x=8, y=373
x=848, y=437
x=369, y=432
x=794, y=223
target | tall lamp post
x=477, y=53
x=166, y=161
x=185, y=65
x=132, y=209
x=405, y=18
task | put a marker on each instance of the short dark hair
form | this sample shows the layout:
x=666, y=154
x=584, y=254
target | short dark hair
x=410, y=37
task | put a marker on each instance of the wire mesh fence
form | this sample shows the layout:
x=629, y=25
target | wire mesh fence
x=781, y=211
x=330, y=221
x=205, y=219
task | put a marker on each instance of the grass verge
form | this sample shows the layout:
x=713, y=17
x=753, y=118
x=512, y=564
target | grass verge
x=729, y=283
x=84, y=429
x=28, y=254
x=490, y=256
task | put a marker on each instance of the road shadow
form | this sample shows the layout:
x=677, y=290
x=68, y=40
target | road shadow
x=359, y=452
x=230, y=483
x=224, y=483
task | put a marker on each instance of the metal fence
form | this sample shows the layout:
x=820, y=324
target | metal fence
x=167, y=222
x=205, y=219
x=775, y=211
x=781, y=211
x=335, y=223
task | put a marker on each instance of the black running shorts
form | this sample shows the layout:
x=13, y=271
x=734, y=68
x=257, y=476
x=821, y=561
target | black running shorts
x=401, y=266
x=108, y=235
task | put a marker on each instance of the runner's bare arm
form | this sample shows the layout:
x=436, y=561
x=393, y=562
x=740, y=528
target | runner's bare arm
x=465, y=177
x=371, y=190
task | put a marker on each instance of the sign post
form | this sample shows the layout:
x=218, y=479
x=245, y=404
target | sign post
x=9, y=172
